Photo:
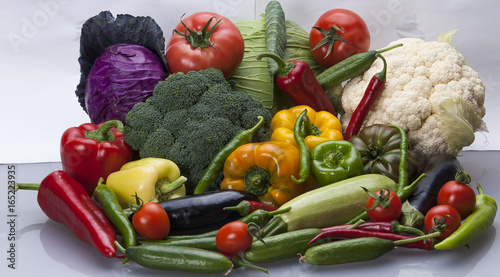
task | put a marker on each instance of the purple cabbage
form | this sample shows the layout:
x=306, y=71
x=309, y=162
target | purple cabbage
x=125, y=74
x=110, y=97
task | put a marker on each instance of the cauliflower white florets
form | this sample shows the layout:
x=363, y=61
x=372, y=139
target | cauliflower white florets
x=419, y=76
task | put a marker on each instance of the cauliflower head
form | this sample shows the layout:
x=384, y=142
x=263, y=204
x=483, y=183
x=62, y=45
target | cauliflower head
x=428, y=88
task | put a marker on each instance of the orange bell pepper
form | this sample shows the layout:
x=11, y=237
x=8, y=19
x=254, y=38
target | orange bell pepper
x=264, y=169
x=324, y=126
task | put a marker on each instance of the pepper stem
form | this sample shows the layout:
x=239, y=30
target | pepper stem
x=165, y=188
x=103, y=133
x=415, y=239
x=257, y=181
x=383, y=73
x=284, y=67
x=242, y=208
x=25, y=186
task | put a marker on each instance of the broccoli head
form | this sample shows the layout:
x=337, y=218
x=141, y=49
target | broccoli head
x=189, y=118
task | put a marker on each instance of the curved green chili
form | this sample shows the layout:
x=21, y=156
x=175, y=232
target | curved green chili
x=305, y=156
x=403, y=162
x=113, y=210
x=217, y=162
x=474, y=225
x=403, y=189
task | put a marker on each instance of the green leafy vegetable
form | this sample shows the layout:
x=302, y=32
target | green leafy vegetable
x=252, y=77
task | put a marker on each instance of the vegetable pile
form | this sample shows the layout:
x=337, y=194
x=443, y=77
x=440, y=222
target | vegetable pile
x=239, y=144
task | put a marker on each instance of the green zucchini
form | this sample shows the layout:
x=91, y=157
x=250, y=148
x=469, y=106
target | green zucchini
x=348, y=251
x=329, y=205
x=281, y=246
x=179, y=258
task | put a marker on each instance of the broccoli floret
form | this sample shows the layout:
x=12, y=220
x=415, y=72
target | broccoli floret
x=189, y=118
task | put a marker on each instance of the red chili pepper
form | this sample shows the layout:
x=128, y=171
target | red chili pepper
x=373, y=90
x=64, y=200
x=246, y=207
x=356, y=233
x=297, y=80
x=89, y=152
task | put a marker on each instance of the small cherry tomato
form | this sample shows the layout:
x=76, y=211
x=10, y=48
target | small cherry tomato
x=458, y=194
x=233, y=237
x=337, y=35
x=151, y=221
x=442, y=218
x=383, y=205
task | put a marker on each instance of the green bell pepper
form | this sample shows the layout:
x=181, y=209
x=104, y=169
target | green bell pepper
x=333, y=161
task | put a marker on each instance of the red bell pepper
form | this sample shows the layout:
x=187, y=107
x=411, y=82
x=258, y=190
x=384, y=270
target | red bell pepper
x=64, y=200
x=296, y=79
x=90, y=152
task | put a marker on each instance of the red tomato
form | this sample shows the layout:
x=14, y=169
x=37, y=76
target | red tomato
x=151, y=221
x=376, y=209
x=233, y=238
x=434, y=220
x=460, y=196
x=218, y=46
x=349, y=37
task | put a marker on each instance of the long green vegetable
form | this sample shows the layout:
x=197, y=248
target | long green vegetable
x=217, y=162
x=276, y=40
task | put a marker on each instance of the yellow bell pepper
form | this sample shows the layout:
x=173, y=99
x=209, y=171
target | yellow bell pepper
x=153, y=179
x=325, y=126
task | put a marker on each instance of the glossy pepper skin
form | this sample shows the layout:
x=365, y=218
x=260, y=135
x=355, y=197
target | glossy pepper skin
x=297, y=80
x=373, y=90
x=474, y=225
x=264, y=169
x=149, y=178
x=64, y=200
x=317, y=127
x=89, y=152
x=333, y=161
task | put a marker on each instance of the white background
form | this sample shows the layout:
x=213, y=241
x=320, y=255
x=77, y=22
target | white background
x=40, y=47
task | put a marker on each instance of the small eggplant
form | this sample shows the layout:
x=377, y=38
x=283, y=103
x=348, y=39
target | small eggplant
x=439, y=170
x=200, y=213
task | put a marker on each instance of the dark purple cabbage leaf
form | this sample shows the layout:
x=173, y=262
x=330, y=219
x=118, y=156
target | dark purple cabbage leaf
x=104, y=30
x=124, y=75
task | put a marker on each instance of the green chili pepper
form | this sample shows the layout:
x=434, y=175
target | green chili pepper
x=113, y=210
x=474, y=225
x=403, y=164
x=403, y=190
x=333, y=161
x=217, y=162
x=305, y=156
